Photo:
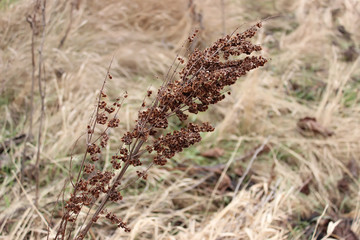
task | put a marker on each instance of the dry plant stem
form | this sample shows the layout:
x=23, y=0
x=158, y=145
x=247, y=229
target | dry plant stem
x=93, y=127
x=201, y=83
x=134, y=151
x=71, y=158
x=106, y=198
x=121, y=189
x=63, y=39
x=61, y=193
x=42, y=87
x=63, y=222
x=31, y=20
x=249, y=166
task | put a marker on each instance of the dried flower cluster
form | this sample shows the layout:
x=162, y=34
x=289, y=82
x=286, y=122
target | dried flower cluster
x=201, y=83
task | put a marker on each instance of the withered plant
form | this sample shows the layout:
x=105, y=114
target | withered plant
x=200, y=83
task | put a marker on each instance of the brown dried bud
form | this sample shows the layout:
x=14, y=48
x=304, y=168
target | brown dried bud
x=113, y=123
x=101, y=118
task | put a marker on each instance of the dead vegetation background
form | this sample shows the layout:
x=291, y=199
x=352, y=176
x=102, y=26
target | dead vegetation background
x=283, y=162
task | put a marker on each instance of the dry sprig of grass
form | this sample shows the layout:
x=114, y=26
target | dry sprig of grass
x=201, y=83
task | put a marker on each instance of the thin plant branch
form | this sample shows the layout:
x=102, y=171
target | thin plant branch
x=256, y=153
x=42, y=88
x=31, y=19
x=63, y=39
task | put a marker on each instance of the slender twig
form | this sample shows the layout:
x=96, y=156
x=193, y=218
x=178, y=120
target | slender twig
x=61, y=193
x=256, y=153
x=93, y=126
x=63, y=39
x=42, y=85
x=32, y=21
x=71, y=158
x=138, y=177
x=106, y=198
x=63, y=222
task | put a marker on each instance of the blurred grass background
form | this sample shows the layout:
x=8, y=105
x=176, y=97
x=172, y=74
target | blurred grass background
x=303, y=107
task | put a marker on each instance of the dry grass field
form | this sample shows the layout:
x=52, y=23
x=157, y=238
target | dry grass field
x=282, y=163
